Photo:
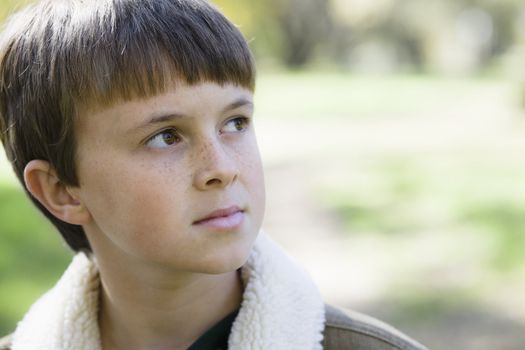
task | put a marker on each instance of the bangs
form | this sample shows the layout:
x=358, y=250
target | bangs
x=106, y=51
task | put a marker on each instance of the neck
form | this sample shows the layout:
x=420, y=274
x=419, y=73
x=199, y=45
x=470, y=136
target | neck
x=162, y=310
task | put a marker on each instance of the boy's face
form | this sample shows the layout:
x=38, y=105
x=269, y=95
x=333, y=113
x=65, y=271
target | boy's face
x=151, y=171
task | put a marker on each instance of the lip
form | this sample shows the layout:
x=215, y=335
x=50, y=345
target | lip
x=222, y=219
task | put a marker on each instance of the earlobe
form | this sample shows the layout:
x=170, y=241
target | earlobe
x=43, y=183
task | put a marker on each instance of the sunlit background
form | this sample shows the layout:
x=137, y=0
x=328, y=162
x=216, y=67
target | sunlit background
x=393, y=134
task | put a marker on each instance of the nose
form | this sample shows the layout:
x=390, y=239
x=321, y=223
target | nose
x=216, y=168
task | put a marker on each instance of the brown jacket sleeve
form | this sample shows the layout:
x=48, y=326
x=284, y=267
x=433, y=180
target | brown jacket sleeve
x=352, y=330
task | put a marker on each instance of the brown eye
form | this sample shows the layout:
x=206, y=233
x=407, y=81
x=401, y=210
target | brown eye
x=236, y=124
x=170, y=137
x=164, y=139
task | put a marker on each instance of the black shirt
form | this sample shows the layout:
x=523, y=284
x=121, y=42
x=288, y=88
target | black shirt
x=216, y=338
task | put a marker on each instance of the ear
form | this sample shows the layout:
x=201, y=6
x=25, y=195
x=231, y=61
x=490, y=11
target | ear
x=43, y=183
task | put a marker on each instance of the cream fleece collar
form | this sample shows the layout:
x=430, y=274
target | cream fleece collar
x=281, y=309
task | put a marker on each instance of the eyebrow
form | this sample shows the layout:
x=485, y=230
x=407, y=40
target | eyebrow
x=163, y=118
x=241, y=102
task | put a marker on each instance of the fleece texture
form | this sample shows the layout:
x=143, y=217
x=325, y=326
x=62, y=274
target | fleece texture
x=281, y=308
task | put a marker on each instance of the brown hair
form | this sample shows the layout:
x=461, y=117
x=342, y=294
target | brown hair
x=59, y=56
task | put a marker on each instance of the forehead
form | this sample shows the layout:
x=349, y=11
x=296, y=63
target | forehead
x=179, y=98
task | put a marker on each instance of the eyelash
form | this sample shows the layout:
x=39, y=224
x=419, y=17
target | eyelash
x=245, y=123
x=172, y=132
x=241, y=124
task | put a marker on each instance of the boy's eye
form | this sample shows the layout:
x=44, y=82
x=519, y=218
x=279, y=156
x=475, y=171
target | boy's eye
x=164, y=139
x=236, y=124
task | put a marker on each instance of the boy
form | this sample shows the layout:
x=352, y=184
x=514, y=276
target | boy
x=130, y=124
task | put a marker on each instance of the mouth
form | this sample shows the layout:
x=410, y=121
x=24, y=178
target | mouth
x=222, y=219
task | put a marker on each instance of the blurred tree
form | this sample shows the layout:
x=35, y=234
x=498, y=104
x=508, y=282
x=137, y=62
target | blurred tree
x=305, y=25
x=432, y=35
x=291, y=30
x=435, y=35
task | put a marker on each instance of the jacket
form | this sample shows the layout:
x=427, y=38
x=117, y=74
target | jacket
x=281, y=310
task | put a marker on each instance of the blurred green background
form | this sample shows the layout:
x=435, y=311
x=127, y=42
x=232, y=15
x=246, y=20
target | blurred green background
x=393, y=134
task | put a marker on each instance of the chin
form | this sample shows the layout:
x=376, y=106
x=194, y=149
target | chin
x=226, y=261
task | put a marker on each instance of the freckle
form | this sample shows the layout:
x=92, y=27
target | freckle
x=203, y=152
x=166, y=166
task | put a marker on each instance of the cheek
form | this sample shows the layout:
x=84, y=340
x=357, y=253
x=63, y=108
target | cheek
x=254, y=170
x=131, y=200
x=254, y=177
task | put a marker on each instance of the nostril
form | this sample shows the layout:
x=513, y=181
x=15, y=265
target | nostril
x=213, y=182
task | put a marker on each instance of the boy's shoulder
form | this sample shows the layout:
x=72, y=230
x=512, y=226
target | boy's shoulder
x=5, y=342
x=352, y=330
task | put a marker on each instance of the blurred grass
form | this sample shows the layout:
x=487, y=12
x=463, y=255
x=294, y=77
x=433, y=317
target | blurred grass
x=403, y=196
x=32, y=255
x=504, y=220
x=315, y=95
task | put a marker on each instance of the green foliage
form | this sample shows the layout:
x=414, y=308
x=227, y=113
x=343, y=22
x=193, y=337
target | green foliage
x=408, y=35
